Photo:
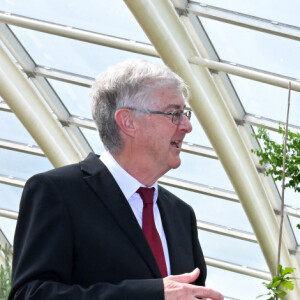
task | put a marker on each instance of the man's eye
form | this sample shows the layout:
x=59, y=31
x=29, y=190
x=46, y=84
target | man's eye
x=178, y=113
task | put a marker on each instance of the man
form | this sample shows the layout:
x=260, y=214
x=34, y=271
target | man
x=103, y=228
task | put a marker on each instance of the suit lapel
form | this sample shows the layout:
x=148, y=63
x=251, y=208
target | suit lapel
x=174, y=239
x=99, y=179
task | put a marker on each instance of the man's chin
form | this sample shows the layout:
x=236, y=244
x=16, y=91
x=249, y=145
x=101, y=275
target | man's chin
x=175, y=164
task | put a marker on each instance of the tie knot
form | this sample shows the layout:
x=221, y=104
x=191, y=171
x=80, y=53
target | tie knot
x=146, y=194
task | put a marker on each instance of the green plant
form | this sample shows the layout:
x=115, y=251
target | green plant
x=278, y=283
x=281, y=161
x=5, y=275
x=271, y=156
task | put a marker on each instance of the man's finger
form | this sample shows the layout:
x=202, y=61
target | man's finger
x=186, y=277
x=206, y=293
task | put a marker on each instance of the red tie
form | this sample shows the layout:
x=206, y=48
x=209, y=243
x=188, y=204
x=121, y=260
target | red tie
x=150, y=230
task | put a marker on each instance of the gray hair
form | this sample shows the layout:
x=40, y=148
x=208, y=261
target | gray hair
x=128, y=84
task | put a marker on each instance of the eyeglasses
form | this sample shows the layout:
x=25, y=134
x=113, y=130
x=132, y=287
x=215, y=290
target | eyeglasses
x=177, y=114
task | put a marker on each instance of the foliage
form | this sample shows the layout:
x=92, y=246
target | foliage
x=5, y=275
x=271, y=156
x=278, y=283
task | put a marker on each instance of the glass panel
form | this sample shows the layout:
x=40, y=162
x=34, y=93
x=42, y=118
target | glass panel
x=202, y=170
x=8, y=227
x=12, y=129
x=214, y=210
x=22, y=165
x=266, y=100
x=107, y=17
x=76, y=98
x=197, y=136
x=294, y=222
x=276, y=10
x=234, y=285
x=290, y=196
x=253, y=48
x=232, y=250
x=93, y=138
x=71, y=55
x=10, y=197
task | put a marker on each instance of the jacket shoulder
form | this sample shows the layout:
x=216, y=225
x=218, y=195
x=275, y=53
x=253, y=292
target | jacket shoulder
x=172, y=199
x=69, y=172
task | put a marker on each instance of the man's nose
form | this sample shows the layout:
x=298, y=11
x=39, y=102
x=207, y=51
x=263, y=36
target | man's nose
x=186, y=124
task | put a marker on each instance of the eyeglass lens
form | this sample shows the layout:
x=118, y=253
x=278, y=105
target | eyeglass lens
x=178, y=115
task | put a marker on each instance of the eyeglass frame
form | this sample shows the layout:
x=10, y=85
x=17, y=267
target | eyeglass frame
x=187, y=113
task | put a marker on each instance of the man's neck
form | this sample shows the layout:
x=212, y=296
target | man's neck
x=142, y=173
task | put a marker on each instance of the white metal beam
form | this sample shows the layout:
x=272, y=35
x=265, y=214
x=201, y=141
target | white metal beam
x=63, y=76
x=8, y=214
x=237, y=268
x=87, y=81
x=128, y=45
x=21, y=147
x=78, y=34
x=243, y=20
x=4, y=107
x=246, y=73
x=33, y=113
x=199, y=188
x=82, y=122
x=227, y=231
x=161, y=23
x=228, y=93
x=28, y=66
x=10, y=180
x=268, y=123
x=199, y=150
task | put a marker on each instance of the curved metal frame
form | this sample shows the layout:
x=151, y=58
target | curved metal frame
x=160, y=21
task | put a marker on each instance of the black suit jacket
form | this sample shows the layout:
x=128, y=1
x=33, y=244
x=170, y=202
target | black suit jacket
x=77, y=238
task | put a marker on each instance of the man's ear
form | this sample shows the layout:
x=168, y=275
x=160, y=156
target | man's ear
x=125, y=121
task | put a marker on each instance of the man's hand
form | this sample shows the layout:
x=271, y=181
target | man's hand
x=178, y=287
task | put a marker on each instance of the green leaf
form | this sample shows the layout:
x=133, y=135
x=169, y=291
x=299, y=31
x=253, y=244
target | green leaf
x=288, y=285
x=280, y=293
x=276, y=283
x=271, y=154
x=287, y=270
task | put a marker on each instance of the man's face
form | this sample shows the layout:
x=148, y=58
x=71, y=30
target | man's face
x=159, y=139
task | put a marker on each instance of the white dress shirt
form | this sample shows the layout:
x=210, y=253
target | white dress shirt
x=129, y=185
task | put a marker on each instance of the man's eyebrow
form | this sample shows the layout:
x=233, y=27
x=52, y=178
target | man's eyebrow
x=174, y=106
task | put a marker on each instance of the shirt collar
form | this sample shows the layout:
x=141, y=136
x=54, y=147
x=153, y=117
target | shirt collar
x=127, y=183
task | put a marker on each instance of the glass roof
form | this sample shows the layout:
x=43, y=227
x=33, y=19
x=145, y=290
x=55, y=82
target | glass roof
x=10, y=197
x=114, y=19
x=235, y=284
x=274, y=10
x=12, y=129
x=223, y=222
x=259, y=50
x=22, y=165
x=266, y=100
x=71, y=55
